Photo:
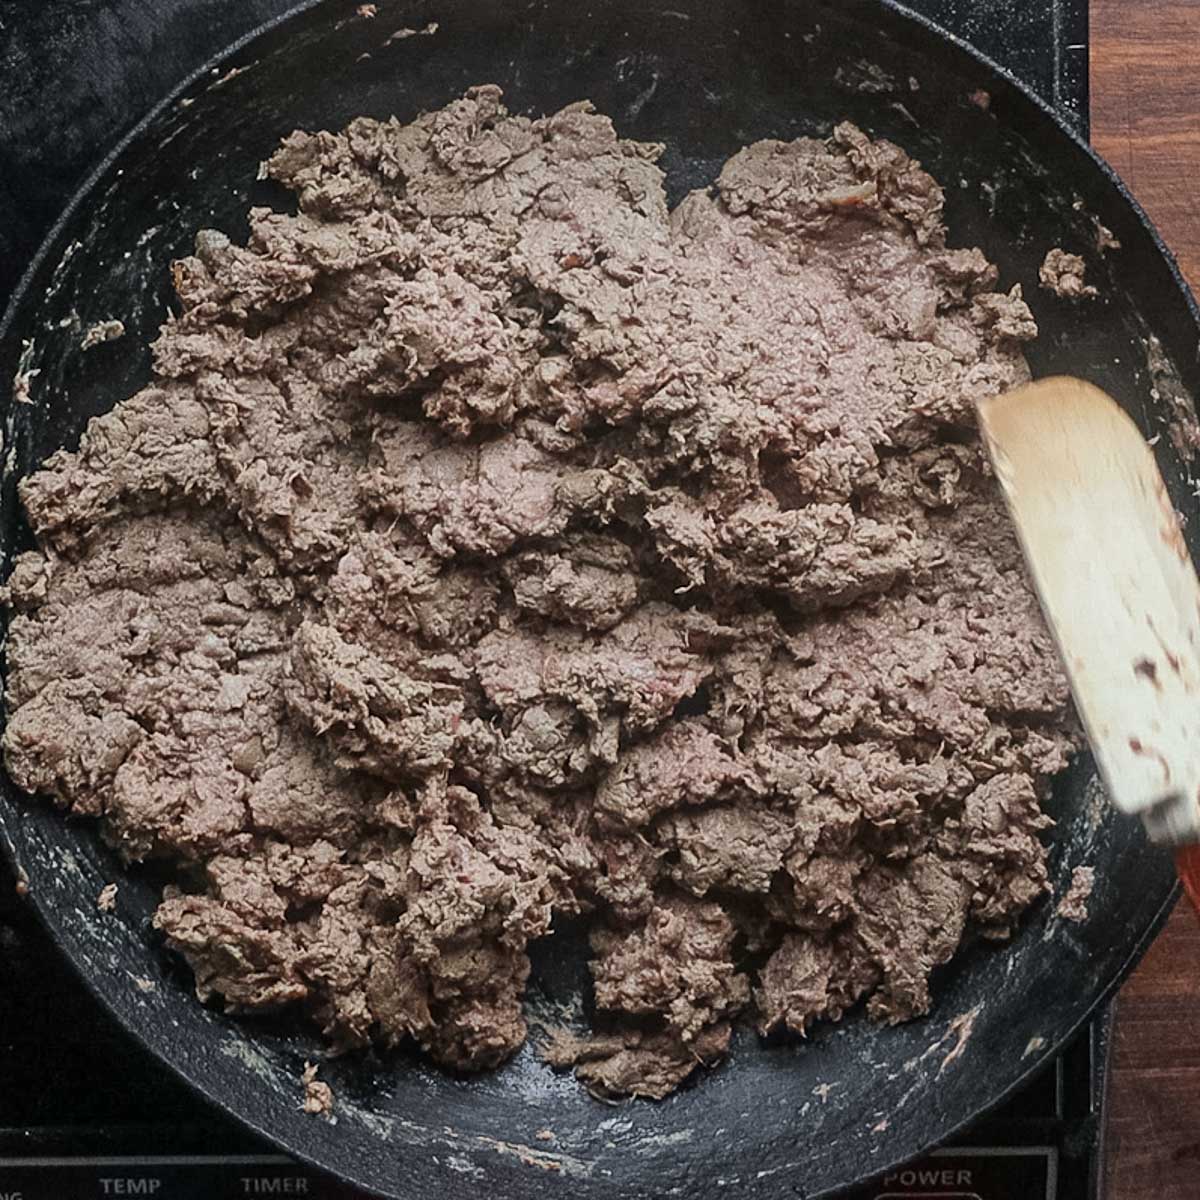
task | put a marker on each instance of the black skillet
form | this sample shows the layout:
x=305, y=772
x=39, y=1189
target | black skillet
x=706, y=77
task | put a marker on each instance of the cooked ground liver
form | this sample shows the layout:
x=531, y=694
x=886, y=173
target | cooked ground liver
x=496, y=545
x=1066, y=276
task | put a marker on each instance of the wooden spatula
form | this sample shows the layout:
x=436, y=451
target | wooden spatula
x=1118, y=588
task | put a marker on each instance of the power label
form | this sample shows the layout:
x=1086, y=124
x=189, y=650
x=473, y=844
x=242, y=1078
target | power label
x=973, y=1173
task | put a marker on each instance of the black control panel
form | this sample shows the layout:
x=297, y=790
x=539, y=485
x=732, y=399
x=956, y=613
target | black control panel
x=977, y=1173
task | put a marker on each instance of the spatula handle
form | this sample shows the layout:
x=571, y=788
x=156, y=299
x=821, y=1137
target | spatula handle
x=1187, y=863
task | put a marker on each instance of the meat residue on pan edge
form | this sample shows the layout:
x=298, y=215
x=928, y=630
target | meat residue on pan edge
x=494, y=544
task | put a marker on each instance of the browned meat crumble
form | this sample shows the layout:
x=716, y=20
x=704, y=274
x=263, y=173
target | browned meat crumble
x=495, y=544
x=1066, y=276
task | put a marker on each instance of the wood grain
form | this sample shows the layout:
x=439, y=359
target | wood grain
x=1154, y=1089
x=1146, y=111
x=1145, y=81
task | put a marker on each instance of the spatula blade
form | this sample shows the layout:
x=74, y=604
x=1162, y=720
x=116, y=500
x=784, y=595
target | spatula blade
x=1117, y=586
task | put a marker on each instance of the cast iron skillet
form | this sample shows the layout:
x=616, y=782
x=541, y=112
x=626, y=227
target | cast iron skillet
x=706, y=77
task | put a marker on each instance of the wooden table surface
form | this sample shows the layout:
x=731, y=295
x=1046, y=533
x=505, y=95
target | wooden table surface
x=1146, y=122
